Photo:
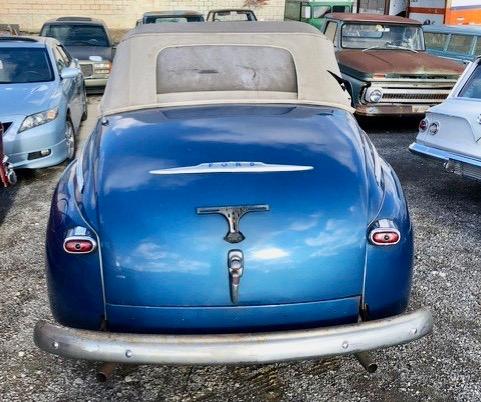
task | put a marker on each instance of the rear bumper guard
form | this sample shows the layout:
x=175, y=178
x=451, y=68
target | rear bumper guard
x=232, y=348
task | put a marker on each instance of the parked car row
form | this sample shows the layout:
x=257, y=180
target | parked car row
x=45, y=93
x=382, y=60
x=156, y=17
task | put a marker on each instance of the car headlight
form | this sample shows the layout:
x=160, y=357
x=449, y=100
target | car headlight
x=38, y=119
x=375, y=95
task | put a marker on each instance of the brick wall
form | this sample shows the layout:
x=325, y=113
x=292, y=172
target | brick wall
x=118, y=14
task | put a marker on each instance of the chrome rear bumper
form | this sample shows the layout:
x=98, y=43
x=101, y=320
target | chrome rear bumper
x=453, y=162
x=232, y=348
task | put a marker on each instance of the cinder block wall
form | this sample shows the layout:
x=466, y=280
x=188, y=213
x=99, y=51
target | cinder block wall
x=118, y=14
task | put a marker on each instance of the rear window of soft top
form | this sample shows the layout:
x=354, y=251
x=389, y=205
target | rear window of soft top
x=225, y=68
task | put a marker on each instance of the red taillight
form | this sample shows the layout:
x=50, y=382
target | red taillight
x=79, y=245
x=423, y=125
x=384, y=237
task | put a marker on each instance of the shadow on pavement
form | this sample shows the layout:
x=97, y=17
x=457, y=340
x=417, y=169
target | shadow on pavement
x=8, y=195
x=389, y=124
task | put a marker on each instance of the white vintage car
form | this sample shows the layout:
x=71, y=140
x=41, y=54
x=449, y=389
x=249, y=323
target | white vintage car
x=451, y=131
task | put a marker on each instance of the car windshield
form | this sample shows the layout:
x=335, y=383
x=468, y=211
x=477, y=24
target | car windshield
x=233, y=16
x=158, y=20
x=382, y=36
x=78, y=34
x=21, y=65
x=472, y=89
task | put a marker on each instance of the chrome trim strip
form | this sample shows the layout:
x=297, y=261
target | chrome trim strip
x=409, y=91
x=101, y=264
x=232, y=348
x=411, y=80
x=231, y=167
x=436, y=153
x=79, y=173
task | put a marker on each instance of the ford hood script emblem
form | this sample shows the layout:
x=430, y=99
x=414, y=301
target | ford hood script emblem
x=231, y=167
x=233, y=216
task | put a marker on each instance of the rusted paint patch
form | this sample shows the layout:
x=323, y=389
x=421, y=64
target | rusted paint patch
x=395, y=63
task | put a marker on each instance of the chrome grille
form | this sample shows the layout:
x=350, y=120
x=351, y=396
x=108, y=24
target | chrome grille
x=427, y=91
x=414, y=95
x=87, y=70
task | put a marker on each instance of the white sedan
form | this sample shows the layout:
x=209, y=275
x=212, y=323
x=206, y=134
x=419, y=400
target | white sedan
x=451, y=131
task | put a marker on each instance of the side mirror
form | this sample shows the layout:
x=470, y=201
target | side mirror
x=69, y=72
x=306, y=12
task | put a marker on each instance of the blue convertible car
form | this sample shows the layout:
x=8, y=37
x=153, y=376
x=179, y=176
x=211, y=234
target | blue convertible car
x=42, y=98
x=227, y=208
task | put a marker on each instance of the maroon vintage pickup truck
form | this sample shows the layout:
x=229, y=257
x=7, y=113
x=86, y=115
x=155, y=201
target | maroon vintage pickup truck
x=383, y=60
x=7, y=175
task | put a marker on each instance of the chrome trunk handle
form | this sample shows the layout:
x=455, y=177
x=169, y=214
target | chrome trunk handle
x=235, y=264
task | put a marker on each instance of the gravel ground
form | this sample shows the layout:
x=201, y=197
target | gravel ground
x=443, y=366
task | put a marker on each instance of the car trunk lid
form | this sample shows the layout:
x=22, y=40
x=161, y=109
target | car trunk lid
x=305, y=243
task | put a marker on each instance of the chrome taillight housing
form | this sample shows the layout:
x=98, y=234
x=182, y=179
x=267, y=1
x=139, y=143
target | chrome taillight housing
x=434, y=128
x=384, y=233
x=79, y=241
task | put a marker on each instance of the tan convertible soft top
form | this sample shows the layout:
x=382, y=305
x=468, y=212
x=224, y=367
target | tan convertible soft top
x=176, y=64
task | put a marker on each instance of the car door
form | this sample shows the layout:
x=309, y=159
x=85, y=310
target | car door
x=79, y=91
x=69, y=87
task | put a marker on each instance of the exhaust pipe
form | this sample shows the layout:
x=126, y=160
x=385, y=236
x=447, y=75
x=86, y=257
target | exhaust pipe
x=365, y=359
x=105, y=371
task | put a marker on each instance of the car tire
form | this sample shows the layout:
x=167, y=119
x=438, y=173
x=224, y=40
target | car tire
x=85, y=113
x=69, y=140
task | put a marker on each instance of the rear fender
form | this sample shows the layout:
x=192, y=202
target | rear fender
x=389, y=269
x=74, y=281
